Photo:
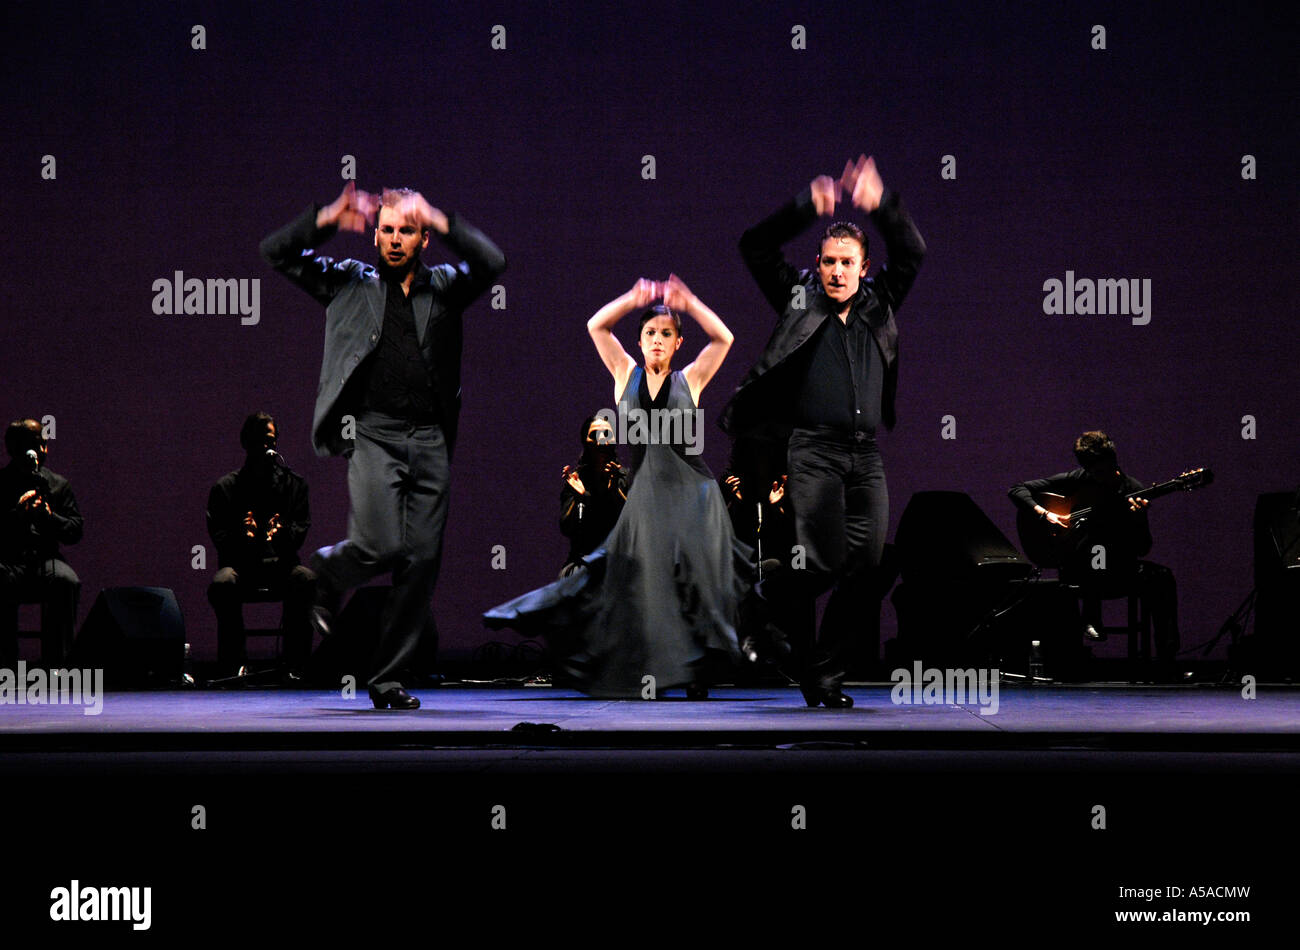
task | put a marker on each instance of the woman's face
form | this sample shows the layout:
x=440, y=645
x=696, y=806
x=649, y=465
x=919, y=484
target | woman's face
x=659, y=341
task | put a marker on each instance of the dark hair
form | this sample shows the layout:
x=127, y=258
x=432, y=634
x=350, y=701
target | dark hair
x=659, y=310
x=254, y=427
x=586, y=427
x=844, y=229
x=1095, y=447
x=22, y=434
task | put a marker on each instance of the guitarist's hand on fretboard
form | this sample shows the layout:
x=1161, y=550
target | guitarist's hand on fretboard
x=1137, y=504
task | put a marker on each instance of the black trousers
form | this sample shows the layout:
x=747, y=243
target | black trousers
x=1154, y=586
x=398, y=482
x=231, y=589
x=55, y=586
x=841, y=510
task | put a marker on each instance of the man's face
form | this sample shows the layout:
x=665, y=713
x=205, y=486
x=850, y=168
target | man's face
x=264, y=440
x=841, y=267
x=659, y=340
x=398, y=239
x=1105, y=473
x=37, y=445
x=600, y=433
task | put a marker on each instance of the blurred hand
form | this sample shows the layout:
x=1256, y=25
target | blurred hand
x=352, y=210
x=645, y=292
x=824, y=194
x=677, y=296
x=422, y=214
x=861, y=183
x=571, y=476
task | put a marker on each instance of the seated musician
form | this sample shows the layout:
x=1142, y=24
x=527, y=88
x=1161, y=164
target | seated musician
x=1104, y=554
x=594, y=491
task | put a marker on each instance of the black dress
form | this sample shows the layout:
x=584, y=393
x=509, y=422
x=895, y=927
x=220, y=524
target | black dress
x=662, y=592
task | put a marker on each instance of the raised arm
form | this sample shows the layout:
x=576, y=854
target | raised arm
x=482, y=261
x=601, y=329
x=679, y=297
x=290, y=250
x=760, y=246
x=904, y=247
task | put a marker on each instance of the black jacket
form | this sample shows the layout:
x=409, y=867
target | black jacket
x=763, y=404
x=25, y=534
x=280, y=491
x=354, y=297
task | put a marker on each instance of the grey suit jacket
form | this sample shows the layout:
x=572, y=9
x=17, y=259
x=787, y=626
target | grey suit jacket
x=354, y=299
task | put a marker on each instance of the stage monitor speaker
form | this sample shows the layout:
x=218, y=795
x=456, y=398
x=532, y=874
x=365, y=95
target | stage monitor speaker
x=944, y=536
x=1277, y=581
x=1277, y=534
x=136, y=635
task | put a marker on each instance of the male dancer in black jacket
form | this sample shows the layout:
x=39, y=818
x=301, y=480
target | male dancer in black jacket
x=388, y=399
x=825, y=382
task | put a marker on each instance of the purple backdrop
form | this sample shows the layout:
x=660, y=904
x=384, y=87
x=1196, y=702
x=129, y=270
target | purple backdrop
x=1117, y=163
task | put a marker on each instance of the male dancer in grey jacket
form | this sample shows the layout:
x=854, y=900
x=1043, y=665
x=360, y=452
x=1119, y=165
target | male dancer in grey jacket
x=388, y=399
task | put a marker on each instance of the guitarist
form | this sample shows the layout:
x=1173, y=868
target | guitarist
x=1118, y=525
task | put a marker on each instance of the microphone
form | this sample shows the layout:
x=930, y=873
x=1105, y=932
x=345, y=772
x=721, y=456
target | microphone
x=34, y=459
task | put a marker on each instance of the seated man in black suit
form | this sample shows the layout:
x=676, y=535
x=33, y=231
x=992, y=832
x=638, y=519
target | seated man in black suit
x=39, y=513
x=1103, y=555
x=258, y=518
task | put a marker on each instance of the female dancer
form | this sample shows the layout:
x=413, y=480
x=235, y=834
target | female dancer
x=662, y=593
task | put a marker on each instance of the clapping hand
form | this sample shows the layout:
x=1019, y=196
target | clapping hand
x=352, y=210
x=571, y=476
x=861, y=183
x=645, y=292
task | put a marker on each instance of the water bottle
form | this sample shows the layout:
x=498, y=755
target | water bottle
x=1035, y=661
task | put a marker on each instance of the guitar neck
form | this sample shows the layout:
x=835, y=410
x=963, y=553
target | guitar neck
x=1155, y=491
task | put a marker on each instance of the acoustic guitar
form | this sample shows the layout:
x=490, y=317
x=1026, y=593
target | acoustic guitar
x=1048, y=544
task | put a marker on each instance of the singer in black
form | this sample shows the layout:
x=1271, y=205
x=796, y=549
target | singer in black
x=593, y=494
x=258, y=518
x=40, y=513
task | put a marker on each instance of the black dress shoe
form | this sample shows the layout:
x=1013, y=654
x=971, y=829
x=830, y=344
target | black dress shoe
x=395, y=698
x=830, y=698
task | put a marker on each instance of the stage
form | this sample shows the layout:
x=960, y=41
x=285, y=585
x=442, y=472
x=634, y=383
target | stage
x=538, y=801
x=1100, y=717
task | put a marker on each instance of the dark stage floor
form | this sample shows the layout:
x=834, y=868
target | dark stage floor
x=723, y=818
